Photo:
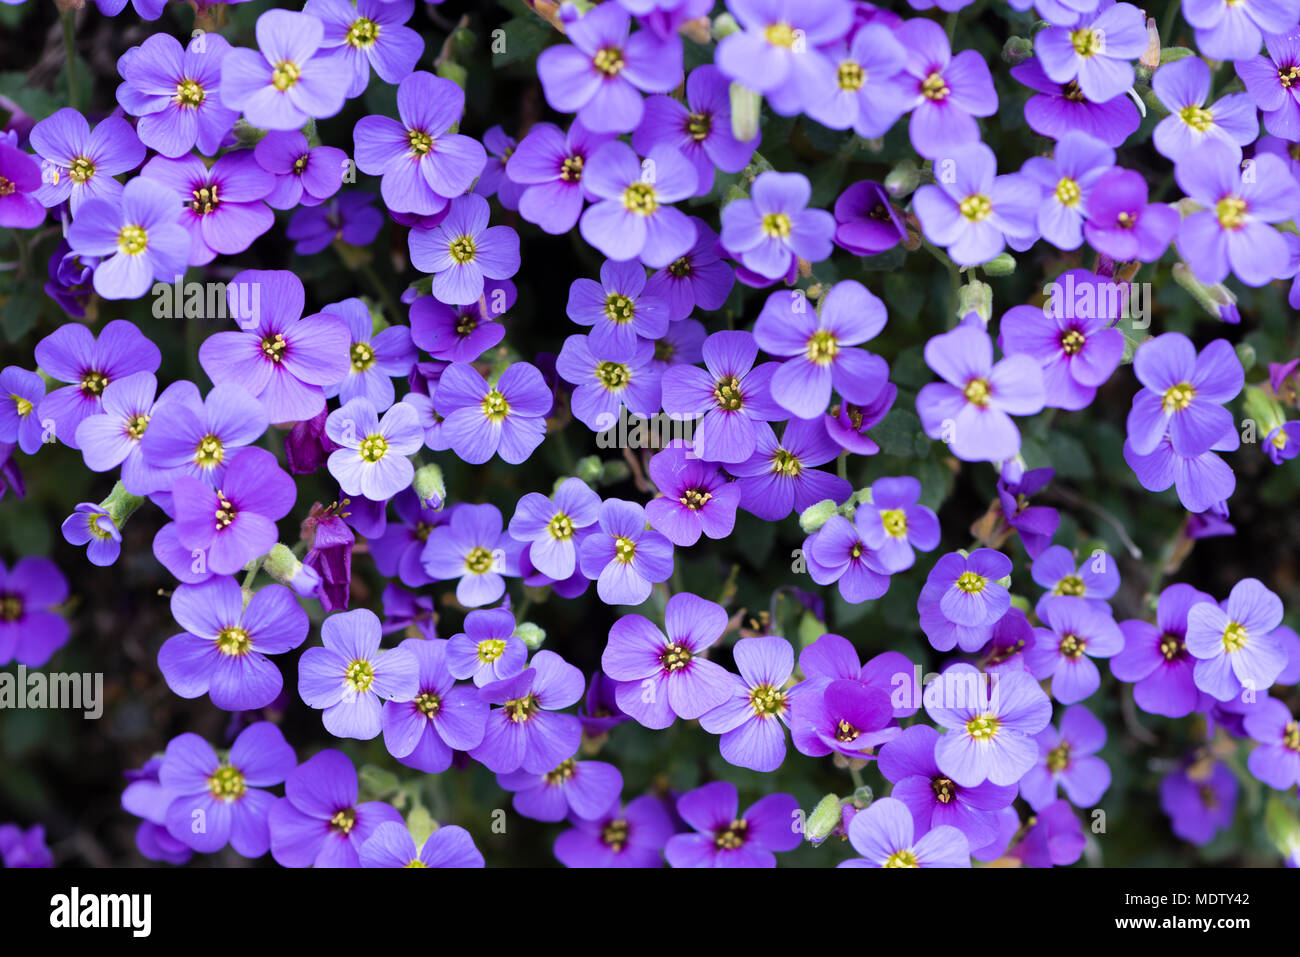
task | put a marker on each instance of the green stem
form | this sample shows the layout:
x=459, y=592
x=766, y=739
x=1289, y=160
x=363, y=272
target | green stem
x=69, y=18
x=1167, y=27
x=857, y=778
x=390, y=304
x=950, y=25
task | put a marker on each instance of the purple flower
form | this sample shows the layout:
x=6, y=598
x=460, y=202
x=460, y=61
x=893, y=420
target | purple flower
x=391, y=844
x=892, y=522
x=319, y=822
x=1200, y=800
x=844, y=716
x=1283, y=442
x=279, y=357
x=732, y=396
x=1183, y=87
x=473, y=549
x=617, y=309
x=864, y=91
x=30, y=630
x=500, y=147
x=935, y=800
x=1096, y=50
x=725, y=838
x=947, y=91
x=625, y=557
x=1276, y=761
x=21, y=393
x=1094, y=579
x=80, y=163
x=481, y=420
x=1270, y=80
x=222, y=207
x=1183, y=394
x=462, y=250
x=694, y=498
x=631, y=836
x=329, y=555
x=1233, y=31
x=136, y=235
x=752, y=720
x=92, y=525
x=146, y=798
x=700, y=128
x=372, y=33
x=549, y=164
x=228, y=796
x=866, y=221
x=1235, y=641
x=525, y=732
x=1231, y=231
x=1076, y=632
x=664, y=677
x=1057, y=109
x=972, y=211
x=488, y=649
x=837, y=553
x=397, y=550
x=176, y=93
x=462, y=333
x=781, y=475
x=20, y=182
x=585, y=789
x=885, y=835
x=349, y=219
x=819, y=346
x=971, y=410
x=441, y=718
x=374, y=359
x=1202, y=481
x=768, y=231
x=289, y=79
x=71, y=353
x=1068, y=758
x=598, y=76
x=847, y=424
x=698, y=279
x=1067, y=181
x=778, y=53
x=1036, y=524
x=1077, y=348
x=1122, y=225
x=303, y=174
x=1053, y=839
x=372, y=458
x=422, y=164
x=604, y=387
x=184, y=434
x=631, y=216
x=349, y=675
x=963, y=598
x=71, y=279
x=553, y=526
x=990, y=727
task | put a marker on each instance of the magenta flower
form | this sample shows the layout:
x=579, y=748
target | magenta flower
x=20, y=182
x=222, y=206
x=525, y=732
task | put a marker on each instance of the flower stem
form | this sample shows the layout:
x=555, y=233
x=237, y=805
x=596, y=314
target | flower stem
x=69, y=18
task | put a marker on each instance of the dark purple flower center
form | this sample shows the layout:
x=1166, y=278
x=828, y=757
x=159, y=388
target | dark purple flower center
x=698, y=126
x=732, y=836
x=11, y=606
x=1288, y=75
x=675, y=657
x=274, y=347
x=522, y=709
x=343, y=821
x=226, y=511
x=695, y=498
x=1058, y=759
x=614, y=835
x=1072, y=645
x=945, y=791
x=609, y=61
x=727, y=395
x=845, y=732
x=300, y=164
x=205, y=199
x=1072, y=341
x=93, y=383
x=466, y=323
x=428, y=703
x=571, y=169
x=1172, y=647
x=562, y=773
x=680, y=268
x=7, y=187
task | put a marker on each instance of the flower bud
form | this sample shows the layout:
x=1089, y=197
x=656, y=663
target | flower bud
x=1004, y=264
x=284, y=567
x=1017, y=50
x=903, y=179
x=816, y=515
x=724, y=26
x=588, y=469
x=429, y=487
x=823, y=820
x=120, y=504
x=976, y=297
x=745, y=108
x=530, y=634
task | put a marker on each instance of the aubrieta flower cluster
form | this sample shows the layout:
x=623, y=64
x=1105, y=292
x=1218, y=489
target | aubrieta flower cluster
x=708, y=290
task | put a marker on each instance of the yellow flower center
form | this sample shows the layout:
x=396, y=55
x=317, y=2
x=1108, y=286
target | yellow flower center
x=851, y=76
x=11, y=607
x=189, y=94
x=1067, y=192
x=609, y=61
x=363, y=33
x=285, y=75
x=766, y=701
x=613, y=375
x=1171, y=646
x=359, y=676
x=975, y=207
x=1231, y=211
x=1197, y=117
x=373, y=448
x=490, y=649
x=521, y=709
x=478, y=560
x=205, y=199
x=1072, y=341
x=698, y=126
x=1070, y=585
x=895, y=522
x=273, y=347
x=421, y=143
x=776, y=225
x=461, y=249
x=82, y=169
x=1058, y=759
x=362, y=356
x=614, y=835
x=624, y=549
x=428, y=704
x=225, y=512
x=23, y=406
x=1086, y=43
x=344, y=820
x=822, y=347
x=971, y=583
x=903, y=858
x=695, y=498
x=1178, y=397
x=619, y=308
x=132, y=240
x=1072, y=646
x=227, y=783
x=560, y=527
x=779, y=34
x=209, y=453
x=560, y=774
x=726, y=394
x=640, y=198
x=934, y=87
x=977, y=392
x=495, y=407
x=571, y=169
x=983, y=728
x=234, y=641
x=675, y=657
x=944, y=790
x=1234, y=637
x=785, y=462
x=732, y=836
x=94, y=383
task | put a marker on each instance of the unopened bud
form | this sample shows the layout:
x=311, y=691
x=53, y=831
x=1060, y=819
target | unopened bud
x=976, y=297
x=1003, y=264
x=903, y=179
x=816, y=515
x=429, y=487
x=284, y=567
x=745, y=108
x=1017, y=50
x=823, y=820
x=530, y=634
